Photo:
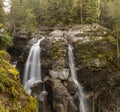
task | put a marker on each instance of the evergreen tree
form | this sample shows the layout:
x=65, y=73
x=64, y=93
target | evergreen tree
x=78, y=11
x=22, y=15
x=90, y=10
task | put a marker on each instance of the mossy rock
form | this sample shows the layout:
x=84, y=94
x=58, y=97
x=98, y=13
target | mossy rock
x=13, y=97
x=1, y=25
x=4, y=55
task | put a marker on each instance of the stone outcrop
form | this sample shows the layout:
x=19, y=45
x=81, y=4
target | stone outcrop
x=98, y=68
x=96, y=65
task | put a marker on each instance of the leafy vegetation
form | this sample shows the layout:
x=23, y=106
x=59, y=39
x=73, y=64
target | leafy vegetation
x=50, y=12
x=5, y=40
x=29, y=13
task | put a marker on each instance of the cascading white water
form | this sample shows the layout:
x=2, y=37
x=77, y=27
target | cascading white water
x=83, y=107
x=32, y=71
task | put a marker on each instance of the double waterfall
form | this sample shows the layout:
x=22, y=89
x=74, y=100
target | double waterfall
x=32, y=71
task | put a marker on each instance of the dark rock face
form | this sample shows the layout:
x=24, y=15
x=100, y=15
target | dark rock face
x=62, y=101
x=95, y=62
x=97, y=69
x=16, y=50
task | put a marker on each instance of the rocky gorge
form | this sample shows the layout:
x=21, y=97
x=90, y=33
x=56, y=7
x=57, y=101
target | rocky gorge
x=96, y=65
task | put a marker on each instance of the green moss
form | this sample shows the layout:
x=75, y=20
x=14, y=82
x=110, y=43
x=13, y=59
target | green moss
x=2, y=88
x=7, y=69
x=57, y=51
x=82, y=52
x=100, y=56
x=1, y=25
x=110, y=56
x=12, y=95
x=13, y=72
x=3, y=109
x=17, y=108
x=31, y=105
x=14, y=92
x=4, y=55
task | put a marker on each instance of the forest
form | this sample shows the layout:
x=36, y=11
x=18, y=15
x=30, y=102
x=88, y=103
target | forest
x=30, y=14
x=59, y=55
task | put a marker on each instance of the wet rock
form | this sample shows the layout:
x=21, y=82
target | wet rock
x=60, y=91
x=62, y=100
x=56, y=33
x=73, y=33
x=95, y=62
x=37, y=88
x=59, y=108
x=62, y=74
x=38, y=92
x=1, y=30
x=55, y=49
x=71, y=87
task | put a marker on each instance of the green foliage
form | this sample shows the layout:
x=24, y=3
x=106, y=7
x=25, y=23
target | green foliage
x=112, y=39
x=5, y=40
x=90, y=11
x=29, y=13
x=110, y=13
x=2, y=13
x=51, y=12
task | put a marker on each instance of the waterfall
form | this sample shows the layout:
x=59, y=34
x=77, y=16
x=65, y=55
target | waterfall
x=32, y=70
x=83, y=107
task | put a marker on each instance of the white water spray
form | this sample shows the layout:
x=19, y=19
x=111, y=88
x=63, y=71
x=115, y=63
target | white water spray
x=32, y=71
x=83, y=107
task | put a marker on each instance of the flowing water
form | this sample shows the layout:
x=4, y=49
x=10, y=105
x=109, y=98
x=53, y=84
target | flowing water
x=14, y=64
x=32, y=71
x=83, y=107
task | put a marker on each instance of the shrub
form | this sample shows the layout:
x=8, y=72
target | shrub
x=5, y=40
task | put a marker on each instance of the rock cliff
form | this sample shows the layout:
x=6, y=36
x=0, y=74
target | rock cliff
x=96, y=65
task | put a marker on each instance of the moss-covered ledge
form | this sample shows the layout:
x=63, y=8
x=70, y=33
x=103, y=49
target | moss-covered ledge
x=13, y=97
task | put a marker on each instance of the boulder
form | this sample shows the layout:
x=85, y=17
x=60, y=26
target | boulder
x=61, y=99
x=71, y=87
x=39, y=93
x=56, y=33
x=62, y=74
